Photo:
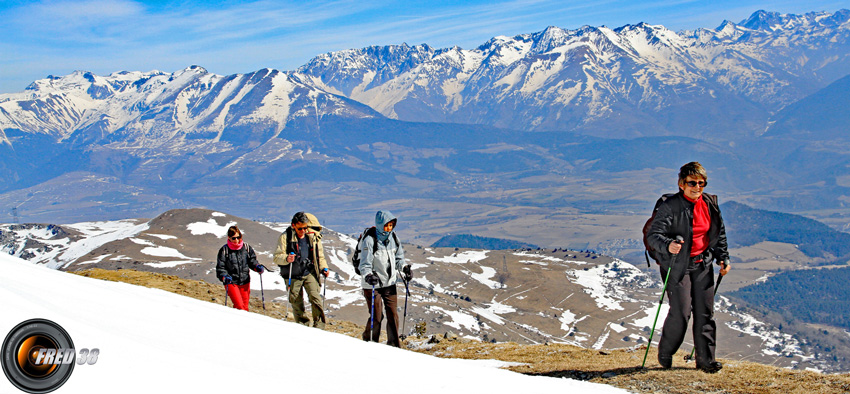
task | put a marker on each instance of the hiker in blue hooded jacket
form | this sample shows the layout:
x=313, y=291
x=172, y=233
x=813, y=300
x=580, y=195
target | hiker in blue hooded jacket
x=382, y=267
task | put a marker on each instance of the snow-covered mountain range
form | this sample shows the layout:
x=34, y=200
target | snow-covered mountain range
x=635, y=80
x=139, y=109
x=630, y=81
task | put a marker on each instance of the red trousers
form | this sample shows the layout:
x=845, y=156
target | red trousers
x=240, y=294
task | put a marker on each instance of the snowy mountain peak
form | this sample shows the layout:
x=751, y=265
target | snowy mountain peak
x=763, y=20
x=190, y=73
x=727, y=27
x=775, y=21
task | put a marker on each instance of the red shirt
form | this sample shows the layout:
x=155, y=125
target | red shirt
x=700, y=225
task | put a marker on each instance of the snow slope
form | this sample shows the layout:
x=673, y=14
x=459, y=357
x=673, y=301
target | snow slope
x=154, y=340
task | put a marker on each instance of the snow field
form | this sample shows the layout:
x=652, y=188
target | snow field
x=151, y=340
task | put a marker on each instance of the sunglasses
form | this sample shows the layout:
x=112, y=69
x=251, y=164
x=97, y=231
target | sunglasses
x=695, y=183
x=236, y=238
x=300, y=228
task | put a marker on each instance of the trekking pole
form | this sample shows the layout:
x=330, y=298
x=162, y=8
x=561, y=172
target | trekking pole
x=324, y=292
x=225, y=295
x=719, y=277
x=262, y=293
x=288, y=287
x=679, y=239
x=690, y=357
x=404, y=319
x=372, y=317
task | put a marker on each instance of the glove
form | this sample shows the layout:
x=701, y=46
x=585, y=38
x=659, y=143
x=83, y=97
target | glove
x=261, y=268
x=371, y=279
x=408, y=274
x=227, y=279
x=325, y=272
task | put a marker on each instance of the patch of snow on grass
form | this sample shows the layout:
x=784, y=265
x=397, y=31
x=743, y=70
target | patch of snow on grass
x=162, y=236
x=209, y=227
x=163, y=251
x=601, y=341
x=469, y=256
x=96, y=259
x=458, y=319
x=484, y=277
x=493, y=311
x=139, y=241
x=566, y=319
x=98, y=234
x=649, y=316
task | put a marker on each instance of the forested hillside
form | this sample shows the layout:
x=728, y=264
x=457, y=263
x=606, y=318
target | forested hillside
x=747, y=226
x=475, y=242
x=814, y=296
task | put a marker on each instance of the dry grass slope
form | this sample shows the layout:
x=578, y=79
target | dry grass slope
x=620, y=368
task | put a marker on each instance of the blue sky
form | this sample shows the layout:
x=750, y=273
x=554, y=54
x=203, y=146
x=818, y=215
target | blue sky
x=226, y=37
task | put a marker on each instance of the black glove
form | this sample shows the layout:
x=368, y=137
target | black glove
x=371, y=279
x=408, y=274
x=261, y=268
x=227, y=279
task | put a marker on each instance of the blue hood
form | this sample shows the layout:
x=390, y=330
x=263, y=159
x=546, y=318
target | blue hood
x=381, y=219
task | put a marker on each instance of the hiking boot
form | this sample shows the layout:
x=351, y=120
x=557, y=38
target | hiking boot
x=665, y=361
x=712, y=367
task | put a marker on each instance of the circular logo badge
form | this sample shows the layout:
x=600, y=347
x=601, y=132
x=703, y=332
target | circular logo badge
x=32, y=356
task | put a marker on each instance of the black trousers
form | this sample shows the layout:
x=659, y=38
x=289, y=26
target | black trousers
x=388, y=296
x=693, y=294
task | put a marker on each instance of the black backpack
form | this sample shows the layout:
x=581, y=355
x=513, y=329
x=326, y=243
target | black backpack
x=649, y=252
x=372, y=232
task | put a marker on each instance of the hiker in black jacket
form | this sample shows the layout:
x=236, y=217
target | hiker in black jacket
x=695, y=216
x=234, y=260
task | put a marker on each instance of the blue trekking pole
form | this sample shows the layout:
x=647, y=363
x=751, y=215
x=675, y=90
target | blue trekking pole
x=679, y=239
x=289, y=286
x=372, y=317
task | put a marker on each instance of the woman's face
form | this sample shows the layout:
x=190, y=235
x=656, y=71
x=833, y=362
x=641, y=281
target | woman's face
x=693, y=186
x=389, y=226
